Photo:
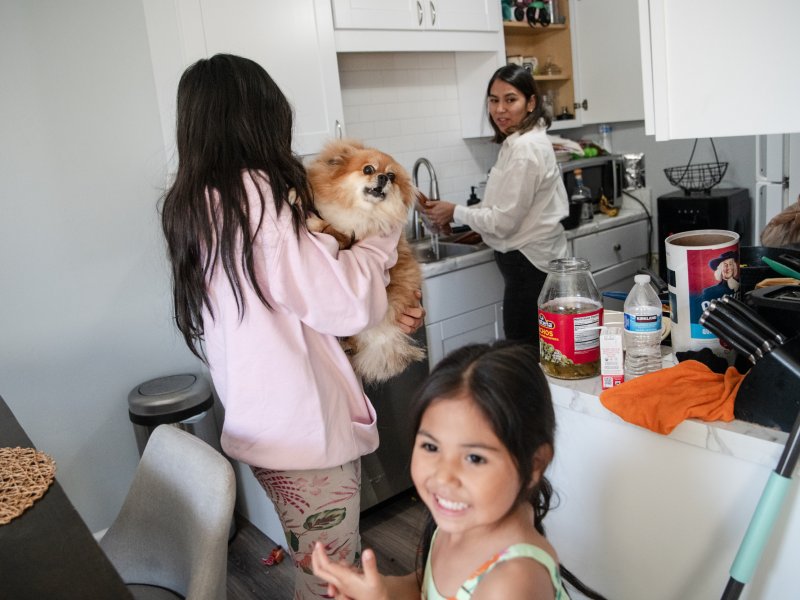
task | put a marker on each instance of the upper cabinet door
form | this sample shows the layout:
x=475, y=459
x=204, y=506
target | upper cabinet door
x=608, y=62
x=463, y=15
x=443, y=15
x=293, y=41
x=713, y=68
x=378, y=14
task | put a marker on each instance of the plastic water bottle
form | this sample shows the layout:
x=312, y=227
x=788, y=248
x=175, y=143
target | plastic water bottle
x=605, y=137
x=642, y=329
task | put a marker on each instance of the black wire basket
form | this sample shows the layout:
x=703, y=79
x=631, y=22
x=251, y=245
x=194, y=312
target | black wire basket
x=700, y=177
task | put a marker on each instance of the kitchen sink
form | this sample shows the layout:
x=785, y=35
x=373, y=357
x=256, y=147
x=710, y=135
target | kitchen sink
x=424, y=253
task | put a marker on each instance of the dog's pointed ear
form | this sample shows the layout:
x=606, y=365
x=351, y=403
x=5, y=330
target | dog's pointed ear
x=339, y=152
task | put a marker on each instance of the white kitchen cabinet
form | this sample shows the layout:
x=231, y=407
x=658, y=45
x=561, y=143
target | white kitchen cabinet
x=709, y=71
x=608, y=66
x=417, y=26
x=463, y=306
x=431, y=15
x=613, y=245
x=471, y=29
x=615, y=253
x=478, y=326
x=293, y=41
x=598, y=53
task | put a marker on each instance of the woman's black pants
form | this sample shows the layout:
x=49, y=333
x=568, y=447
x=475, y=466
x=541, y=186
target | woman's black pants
x=523, y=284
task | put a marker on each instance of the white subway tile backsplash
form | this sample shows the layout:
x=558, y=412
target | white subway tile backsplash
x=406, y=104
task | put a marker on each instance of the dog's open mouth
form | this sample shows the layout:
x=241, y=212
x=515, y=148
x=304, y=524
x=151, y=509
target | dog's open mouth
x=375, y=192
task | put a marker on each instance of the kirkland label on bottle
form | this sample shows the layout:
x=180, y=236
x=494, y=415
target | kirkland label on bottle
x=643, y=323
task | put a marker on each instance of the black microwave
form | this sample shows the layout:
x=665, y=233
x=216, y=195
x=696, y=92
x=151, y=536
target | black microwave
x=601, y=174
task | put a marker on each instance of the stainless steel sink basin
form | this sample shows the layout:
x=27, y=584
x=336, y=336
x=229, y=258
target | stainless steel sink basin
x=424, y=253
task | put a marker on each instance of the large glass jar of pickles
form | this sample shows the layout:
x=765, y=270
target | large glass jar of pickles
x=570, y=316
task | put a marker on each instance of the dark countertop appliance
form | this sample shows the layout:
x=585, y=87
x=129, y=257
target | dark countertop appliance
x=386, y=472
x=718, y=208
x=601, y=174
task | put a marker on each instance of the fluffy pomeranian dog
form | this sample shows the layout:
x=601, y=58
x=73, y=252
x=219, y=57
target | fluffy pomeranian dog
x=360, y=191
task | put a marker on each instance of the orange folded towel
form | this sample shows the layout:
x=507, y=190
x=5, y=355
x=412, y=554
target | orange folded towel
x=660, y=401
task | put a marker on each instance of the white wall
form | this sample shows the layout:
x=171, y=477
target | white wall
x=738, y=151
x=406, y=104
x=85, y=295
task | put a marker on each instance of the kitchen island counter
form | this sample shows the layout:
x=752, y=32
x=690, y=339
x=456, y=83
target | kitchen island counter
x=747, y=441
x=637, y=514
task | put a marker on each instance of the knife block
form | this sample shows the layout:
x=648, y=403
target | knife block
x=770, y=392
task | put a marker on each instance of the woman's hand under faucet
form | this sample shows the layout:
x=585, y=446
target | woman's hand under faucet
x=440, y=212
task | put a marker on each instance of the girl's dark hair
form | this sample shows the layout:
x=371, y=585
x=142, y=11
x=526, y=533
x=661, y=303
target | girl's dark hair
x=507, y=385
x=521, y=79
x=232, y=120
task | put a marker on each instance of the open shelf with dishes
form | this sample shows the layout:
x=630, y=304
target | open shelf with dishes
x=551, y=46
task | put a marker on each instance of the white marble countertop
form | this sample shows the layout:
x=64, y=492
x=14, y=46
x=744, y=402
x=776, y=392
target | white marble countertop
x=746, y=441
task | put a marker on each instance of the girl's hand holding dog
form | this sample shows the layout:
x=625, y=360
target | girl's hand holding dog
x=412, y=317
x=347, y=583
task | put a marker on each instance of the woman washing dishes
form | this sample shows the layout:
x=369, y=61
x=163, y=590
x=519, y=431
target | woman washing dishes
x=525, y=200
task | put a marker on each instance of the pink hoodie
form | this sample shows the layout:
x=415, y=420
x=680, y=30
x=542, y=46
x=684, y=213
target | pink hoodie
x=291, y=398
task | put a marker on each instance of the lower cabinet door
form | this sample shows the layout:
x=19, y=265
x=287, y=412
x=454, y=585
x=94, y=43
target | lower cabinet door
x=482, y=325
x=618, y=278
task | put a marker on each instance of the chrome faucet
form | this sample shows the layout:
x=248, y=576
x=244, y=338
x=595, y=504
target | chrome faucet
x=415, y=226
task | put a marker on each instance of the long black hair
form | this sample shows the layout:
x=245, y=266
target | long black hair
x=521, y=79
x=232, y=119
x=507, y=385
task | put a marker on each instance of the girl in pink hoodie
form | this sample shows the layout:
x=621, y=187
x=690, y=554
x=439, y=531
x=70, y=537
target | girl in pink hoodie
x=262, y=301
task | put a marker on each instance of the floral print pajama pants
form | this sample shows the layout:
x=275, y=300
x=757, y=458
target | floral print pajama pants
x=318, y=505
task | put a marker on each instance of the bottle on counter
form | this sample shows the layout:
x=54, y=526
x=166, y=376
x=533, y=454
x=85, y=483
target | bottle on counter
x=570, y=319
x=605, y=137
x=583, y=195
x=642, y=329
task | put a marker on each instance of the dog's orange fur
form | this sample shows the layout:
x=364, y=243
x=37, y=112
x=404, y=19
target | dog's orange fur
x=358, y=192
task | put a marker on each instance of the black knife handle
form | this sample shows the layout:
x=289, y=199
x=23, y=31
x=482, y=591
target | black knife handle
x=723, y=331
x=756, y=321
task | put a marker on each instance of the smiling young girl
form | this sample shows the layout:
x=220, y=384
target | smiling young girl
x=485, y=431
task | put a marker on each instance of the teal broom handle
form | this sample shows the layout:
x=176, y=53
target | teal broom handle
x=760, y=528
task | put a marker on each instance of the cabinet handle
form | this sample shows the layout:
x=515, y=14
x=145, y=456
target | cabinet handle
x=338, y=129
x=419, y=13
x=617, y=247
x=433, y=13
x=584, y=105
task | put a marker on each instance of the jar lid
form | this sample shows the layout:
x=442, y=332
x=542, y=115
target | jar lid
x=568, y=265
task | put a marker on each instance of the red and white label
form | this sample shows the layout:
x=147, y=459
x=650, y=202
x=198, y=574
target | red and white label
x=575, y=336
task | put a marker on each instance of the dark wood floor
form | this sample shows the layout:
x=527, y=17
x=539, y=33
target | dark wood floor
x=391, y=529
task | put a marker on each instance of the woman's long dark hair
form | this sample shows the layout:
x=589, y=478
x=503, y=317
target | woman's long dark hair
x=507, y=385
x=232, y=119
x=521, y=79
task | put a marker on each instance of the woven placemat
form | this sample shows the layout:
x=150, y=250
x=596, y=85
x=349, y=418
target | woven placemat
x=25, y=475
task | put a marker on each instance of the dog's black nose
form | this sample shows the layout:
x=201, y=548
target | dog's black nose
x=382, y=180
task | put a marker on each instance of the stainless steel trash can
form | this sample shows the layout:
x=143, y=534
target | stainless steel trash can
x=185, y=401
